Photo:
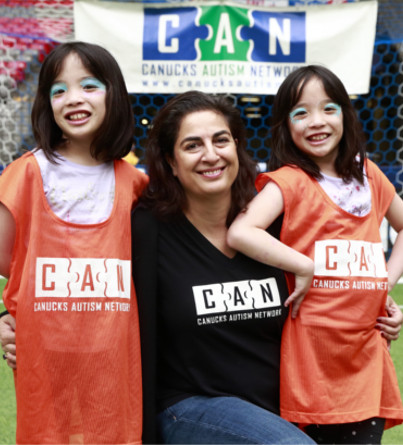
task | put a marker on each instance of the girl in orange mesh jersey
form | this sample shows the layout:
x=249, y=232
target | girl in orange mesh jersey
x=337, y=375
x=65, y=224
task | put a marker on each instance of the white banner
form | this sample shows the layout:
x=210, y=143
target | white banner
x=224, y=47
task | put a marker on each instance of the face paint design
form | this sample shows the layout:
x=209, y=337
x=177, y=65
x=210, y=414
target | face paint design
x=298, y=114
x=301, y=113
x=91, y=84
x=57, y=89
x=333, y=108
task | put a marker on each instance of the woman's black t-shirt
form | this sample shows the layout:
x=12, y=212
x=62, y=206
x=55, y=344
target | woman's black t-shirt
x=219, y=319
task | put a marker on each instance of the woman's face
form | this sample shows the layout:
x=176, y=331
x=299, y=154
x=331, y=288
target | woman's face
x=205, y=158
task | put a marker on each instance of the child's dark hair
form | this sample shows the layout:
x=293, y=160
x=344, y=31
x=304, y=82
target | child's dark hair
x=114, y=138
x=164, y=193
x=352, y=143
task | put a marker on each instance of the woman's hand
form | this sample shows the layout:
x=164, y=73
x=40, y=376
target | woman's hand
x=390, y=326
x=7, y=338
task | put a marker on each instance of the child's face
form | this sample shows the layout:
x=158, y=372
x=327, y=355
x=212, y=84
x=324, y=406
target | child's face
x=78, y=101
x=316, y=125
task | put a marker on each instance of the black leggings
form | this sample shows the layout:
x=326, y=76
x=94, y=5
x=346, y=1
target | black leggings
x=365, y=432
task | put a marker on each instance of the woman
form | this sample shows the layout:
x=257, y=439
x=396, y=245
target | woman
x=218, y=314
x=215, y=316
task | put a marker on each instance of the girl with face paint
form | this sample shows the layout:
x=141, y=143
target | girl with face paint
x=337, y=377
x=65, y=224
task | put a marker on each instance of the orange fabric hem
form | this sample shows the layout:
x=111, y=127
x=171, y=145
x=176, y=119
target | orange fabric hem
x=393, y=417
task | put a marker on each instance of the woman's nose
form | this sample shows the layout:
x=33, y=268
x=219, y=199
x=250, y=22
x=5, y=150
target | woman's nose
x=210, y=152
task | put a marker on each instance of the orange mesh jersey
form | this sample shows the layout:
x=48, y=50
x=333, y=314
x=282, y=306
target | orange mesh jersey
x=70, y=288
x=335, y=366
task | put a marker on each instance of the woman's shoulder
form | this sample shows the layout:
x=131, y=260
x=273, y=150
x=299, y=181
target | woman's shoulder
x=143, y=219
x=142, y=211
x=144, y=241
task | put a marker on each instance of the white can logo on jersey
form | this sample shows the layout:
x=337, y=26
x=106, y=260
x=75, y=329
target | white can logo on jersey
x=82, y=278
x=349, y=258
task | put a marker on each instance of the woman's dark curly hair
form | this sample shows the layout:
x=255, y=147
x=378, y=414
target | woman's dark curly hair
x=352, y=143
x=165, y=194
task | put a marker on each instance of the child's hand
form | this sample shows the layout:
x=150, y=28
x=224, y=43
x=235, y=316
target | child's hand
x=302, y=285
x=390, y=326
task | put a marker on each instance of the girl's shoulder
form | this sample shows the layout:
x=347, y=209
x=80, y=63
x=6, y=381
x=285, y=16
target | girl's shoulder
x=20, y=182
x=20, y=167
x=381, y=186
x=288, y=174
x=26, y=158
x=371, y=168
x=375, y=175
x=131, y=173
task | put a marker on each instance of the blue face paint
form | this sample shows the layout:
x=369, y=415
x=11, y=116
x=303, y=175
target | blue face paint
x=57, y=88
x=93, y=83
x=298, y=114
x=332, y=107
x=301, y=113
x=89, y=84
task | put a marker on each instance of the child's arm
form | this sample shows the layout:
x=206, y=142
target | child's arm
x=248, y=235
x=7, y=237
x=395, y=264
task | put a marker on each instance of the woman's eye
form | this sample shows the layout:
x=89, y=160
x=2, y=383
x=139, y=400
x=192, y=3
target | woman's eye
x=222, y=140
x=192, y=146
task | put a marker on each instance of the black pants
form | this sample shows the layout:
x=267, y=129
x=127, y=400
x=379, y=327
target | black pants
x=365, y=432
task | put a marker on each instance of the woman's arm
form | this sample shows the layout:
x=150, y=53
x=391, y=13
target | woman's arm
x=7, y=339
x=248, y=235
x=395, y=264
x=7, y=237
x=145, y=262
x=391, y=325
x=7, y=322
